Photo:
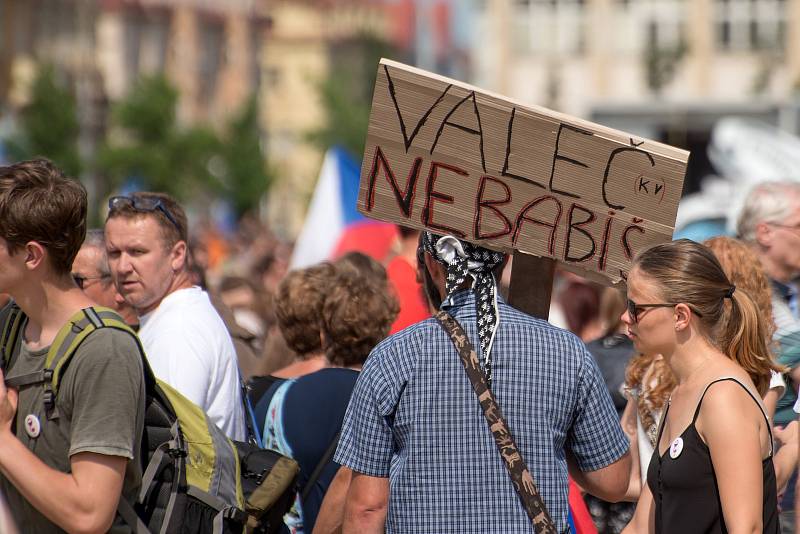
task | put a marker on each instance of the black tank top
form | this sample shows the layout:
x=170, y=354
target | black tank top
x=684, y=484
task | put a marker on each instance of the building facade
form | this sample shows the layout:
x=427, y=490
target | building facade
x=664, y=69
x=307, y=39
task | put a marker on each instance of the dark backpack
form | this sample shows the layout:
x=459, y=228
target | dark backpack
x=195, y=479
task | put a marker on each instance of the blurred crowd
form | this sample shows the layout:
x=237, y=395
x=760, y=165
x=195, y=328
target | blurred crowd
x=303, y=362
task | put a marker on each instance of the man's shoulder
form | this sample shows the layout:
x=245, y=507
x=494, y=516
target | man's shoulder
x=187, y=312
x=513, y=318
x=112, y=344
x=400, y=349
x=410, y=335
x=103, y=350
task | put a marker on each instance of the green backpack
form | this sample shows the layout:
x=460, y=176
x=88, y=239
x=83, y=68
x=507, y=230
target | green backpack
x=195, y=479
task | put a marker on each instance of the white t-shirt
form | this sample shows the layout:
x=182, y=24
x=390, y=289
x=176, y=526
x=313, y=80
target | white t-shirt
x=190, y=349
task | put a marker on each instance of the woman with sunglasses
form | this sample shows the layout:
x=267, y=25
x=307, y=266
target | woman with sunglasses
x=712, y=469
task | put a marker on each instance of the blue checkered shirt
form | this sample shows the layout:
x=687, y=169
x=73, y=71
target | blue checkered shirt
x=415, y=419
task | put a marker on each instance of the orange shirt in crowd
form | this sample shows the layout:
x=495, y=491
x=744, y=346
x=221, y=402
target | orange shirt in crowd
x=413, y=308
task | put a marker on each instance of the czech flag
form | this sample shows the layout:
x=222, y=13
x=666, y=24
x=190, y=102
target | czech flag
x=333, y=225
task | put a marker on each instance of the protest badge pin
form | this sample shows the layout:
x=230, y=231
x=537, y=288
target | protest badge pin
x=676, y=448
x=32, y=425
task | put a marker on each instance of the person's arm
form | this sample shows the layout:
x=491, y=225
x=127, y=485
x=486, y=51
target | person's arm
x=643, y=521
x=785, y=459
x=331, y=513
x=609, y=483
x=597, y=449
x=366, y=505
x=629, y=426
x=82, y=501
x=729, y=415
x=366, y=447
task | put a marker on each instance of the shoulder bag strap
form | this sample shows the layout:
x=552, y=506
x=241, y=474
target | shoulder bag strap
x=517, y=470
x=11, y=331
x=326, y=458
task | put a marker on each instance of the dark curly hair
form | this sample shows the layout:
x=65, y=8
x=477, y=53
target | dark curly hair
x=356, y=316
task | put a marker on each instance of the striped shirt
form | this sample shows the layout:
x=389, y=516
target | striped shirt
x=415, y=419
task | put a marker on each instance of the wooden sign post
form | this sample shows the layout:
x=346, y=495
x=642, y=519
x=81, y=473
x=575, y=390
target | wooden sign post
x=450, y=158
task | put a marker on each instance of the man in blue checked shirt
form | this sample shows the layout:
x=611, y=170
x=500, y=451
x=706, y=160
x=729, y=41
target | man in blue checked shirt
x=422, y=457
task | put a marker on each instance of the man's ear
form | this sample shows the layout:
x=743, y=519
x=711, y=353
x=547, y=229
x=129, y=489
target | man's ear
x=764, y=234
x=35, y=255
x=433, y=266
x=178, y=256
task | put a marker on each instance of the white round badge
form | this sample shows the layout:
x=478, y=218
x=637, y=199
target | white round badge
x=676, y=448
x=32, y=425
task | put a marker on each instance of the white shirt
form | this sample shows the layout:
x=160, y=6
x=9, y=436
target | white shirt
x=190, y=349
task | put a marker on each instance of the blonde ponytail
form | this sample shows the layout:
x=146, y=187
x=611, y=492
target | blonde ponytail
x=744, y=339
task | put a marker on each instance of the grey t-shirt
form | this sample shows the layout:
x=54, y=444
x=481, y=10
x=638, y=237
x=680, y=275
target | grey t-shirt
x=100, y=406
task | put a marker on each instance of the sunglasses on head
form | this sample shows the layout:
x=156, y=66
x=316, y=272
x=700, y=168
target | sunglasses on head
x=146, y=204
x=635, y=309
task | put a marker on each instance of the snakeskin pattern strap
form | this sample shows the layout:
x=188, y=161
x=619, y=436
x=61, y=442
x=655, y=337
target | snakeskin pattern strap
x=520, y=476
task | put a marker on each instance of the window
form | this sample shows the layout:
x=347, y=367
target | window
x=549, y=26
x=211, y=57
x=645, y=24
x=742, y=25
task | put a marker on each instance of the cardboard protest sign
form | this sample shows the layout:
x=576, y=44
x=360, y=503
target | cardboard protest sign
x=448, y=157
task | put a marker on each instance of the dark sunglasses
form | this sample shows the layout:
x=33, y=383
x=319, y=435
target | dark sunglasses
x=142, y=204
x=635, y=309
x=80, y=280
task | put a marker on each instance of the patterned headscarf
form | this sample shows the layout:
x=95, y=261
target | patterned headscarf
x=464, y=260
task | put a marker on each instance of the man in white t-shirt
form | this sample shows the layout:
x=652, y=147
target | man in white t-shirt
x=185, y=339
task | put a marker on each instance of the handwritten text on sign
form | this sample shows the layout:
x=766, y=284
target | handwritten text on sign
x=447, y=157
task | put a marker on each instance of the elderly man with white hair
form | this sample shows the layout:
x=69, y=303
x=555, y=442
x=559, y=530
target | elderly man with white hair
x=770, y=224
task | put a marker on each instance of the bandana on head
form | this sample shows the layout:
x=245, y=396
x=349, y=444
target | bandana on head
x=462, y=260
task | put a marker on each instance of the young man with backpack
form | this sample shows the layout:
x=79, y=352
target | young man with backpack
x=69, y=445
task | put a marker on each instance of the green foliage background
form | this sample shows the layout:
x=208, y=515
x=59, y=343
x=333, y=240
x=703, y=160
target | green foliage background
x=346, y=94
x=145, y=142
x=49, y=125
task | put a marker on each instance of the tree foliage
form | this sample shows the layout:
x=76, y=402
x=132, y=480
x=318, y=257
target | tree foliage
x=147, y=144
x=48, y=125
x=188, y=163
x=245, y=173
x=346, y=93
x=661, y=63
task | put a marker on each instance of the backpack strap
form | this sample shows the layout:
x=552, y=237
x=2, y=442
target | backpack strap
x=128, y=515
x=327, y=456
x=111, y=319
x=66, y=343
x=70, y=337
x=11, y=332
